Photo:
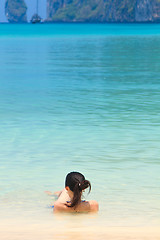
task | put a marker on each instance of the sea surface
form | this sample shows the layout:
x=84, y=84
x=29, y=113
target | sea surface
x=80, y=97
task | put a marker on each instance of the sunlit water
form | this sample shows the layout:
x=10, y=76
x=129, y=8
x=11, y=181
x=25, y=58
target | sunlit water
x=85, y=98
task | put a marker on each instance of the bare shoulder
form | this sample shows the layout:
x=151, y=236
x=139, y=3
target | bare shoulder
x=94, y=206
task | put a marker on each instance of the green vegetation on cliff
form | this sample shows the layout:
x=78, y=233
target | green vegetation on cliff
x=16, y=11
x=103, y=10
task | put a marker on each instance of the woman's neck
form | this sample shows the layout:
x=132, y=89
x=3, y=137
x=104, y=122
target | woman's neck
x=70, y=193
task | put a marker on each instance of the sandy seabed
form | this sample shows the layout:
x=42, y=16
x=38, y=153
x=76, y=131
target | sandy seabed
x=48, y=231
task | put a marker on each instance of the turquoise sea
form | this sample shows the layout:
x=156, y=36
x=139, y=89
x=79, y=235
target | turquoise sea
x=83, y=97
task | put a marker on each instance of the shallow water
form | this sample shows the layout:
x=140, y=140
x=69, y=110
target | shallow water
x=85, y=98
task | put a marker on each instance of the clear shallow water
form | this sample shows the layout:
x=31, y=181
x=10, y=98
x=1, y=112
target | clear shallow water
x=85, y=98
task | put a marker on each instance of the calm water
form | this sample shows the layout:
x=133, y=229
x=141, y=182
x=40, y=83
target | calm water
x=85, y=98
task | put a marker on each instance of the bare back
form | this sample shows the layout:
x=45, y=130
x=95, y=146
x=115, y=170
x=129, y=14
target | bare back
x=84, y=206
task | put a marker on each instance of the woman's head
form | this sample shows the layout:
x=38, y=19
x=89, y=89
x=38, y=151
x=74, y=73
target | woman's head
x=76, y=183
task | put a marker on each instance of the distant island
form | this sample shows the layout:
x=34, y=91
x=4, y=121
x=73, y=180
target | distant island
x=103, y=10
x=15, y=11
x=95, y=11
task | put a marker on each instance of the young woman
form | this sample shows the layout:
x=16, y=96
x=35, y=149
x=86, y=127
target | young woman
x=69, y=199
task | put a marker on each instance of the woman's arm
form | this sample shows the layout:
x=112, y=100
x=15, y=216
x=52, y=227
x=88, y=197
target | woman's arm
x=49, y=193
x=58, y=193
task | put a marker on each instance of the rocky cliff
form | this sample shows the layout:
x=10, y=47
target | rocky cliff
x=147, y=10
x=103, y=10
x=15, y=11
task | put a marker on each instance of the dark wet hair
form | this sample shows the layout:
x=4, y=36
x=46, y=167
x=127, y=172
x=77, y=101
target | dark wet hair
x=76, y=182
